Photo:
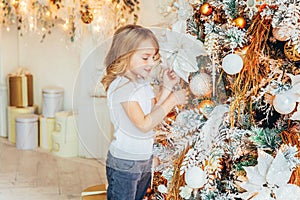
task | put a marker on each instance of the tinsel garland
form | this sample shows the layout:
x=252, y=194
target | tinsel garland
x=177, y=179
x=292, y=136
x=248, y=80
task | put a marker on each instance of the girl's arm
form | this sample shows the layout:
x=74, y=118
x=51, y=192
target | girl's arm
x=147, y=122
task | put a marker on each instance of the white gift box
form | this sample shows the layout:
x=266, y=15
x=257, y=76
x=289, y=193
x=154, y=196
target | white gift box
x=66, y=123
x=47, y=126
x=12, y=113
x=64, y=146
x=53, y=99
x=65, y=134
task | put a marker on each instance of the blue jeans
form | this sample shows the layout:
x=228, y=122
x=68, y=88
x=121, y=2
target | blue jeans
x=127, y=179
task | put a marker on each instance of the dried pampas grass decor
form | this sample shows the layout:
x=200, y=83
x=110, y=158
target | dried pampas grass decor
x=253, y=71
x=177, y=179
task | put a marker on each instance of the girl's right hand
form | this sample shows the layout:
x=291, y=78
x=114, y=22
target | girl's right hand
x=180, y=97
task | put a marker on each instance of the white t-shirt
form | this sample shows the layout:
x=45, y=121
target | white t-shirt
x=129, y=142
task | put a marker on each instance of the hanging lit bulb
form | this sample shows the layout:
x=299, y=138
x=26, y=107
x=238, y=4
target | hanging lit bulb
x=23, y=6
x=100, y=19
x=97, y=28
x=66, y=25
x=7, y=29
x=31, y=25
x=15, y=3
x=48, y=13
x=123, y=20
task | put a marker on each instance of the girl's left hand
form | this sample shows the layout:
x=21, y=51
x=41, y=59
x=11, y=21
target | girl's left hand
x=170, y=79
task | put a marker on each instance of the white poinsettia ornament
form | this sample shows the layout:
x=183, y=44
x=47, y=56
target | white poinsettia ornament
x=162, y=189
x=268, y=180
x=185, y=192
x=179, y=52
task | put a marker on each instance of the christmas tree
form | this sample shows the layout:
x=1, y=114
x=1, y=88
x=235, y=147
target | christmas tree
x=238, y=138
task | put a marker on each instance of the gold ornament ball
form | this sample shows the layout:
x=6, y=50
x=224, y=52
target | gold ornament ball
x=206, y=9
x=291, y=52
x=240, y=22
x=206, y=107
x=87, y=17
x=149, y=190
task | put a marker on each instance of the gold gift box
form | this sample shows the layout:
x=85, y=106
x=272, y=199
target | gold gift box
x=20, y=90
x=97, y=192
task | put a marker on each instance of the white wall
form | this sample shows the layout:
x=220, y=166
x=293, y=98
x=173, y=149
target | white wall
x=8, y=57
x=51, y=63
x=9, y=52
x=151, y=17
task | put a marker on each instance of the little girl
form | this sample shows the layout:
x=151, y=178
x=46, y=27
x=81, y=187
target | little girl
x=134, y=110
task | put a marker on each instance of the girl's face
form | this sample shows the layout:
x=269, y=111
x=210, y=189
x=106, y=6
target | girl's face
x=142, y=60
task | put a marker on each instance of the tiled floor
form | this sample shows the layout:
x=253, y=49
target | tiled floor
x=38, y=175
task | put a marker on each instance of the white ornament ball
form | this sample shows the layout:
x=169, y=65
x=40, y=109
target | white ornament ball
x=182, y=118
x=232, y=64
x=284, y=103
x=200, y=85
x=195, y=177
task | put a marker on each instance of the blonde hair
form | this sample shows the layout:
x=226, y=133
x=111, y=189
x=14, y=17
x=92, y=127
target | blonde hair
x=125, y=42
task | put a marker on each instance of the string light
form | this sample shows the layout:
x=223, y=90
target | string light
x=100, y=18
x=123, y=20
x=97, y=28
x=31, y=24
x=66, y=25
x=48, y=13
x=73, y=16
